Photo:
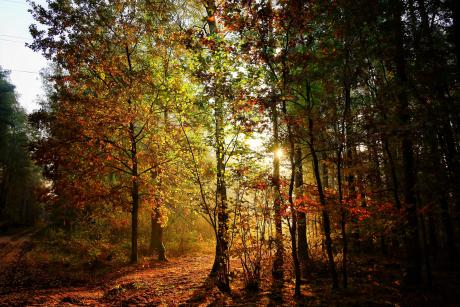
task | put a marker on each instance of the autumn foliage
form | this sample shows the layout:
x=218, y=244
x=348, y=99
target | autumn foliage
x=299, y=137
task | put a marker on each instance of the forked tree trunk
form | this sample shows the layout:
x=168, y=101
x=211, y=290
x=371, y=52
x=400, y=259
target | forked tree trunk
x=325, y=214
x=222, y=260
x=156, y=236
x=293, y=225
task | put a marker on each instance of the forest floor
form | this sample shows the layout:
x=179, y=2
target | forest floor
x=183, y=281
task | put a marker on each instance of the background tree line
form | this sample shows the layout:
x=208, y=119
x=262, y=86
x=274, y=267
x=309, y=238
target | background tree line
x=20, y=180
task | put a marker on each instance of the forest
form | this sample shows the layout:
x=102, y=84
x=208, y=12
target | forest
x=225, y=152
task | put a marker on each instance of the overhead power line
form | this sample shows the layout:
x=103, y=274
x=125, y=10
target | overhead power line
x=13, y=41
x=24, y=71
x=14, y=1
x=16, y=37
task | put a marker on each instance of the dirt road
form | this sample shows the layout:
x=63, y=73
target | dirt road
x=173, y=282
x=13, y=247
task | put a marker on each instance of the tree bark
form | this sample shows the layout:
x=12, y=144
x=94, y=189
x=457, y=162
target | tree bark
x=449, y=148
x=426, y=254
x=222, y=260
x=442, y=195
x=4, y=190
x=134, y=195
x=277, y=270
x=325, y=214
x=455, y=8
x=293, y=226
x=346, y=132
x=302, y=242
x=221, y=203
x=156, y=236
x=342, y=219
x=413, y=250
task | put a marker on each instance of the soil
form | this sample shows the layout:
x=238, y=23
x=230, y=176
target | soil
x=184, y=281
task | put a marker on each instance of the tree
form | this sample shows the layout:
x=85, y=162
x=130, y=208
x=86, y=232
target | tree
x=111, y=50
x=19, y=178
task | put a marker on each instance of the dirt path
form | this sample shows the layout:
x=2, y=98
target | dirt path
x=149, y=283
x=183, y=281
x=12, y=246
x=169, y=283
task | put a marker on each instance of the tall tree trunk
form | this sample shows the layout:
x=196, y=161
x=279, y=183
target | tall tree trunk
x=412, y=232
x=455, y=8
x=293, y=229
x=342, y=219
x=433, y=239
x=413, y=250
x=222, y=259
x=392, y=175
x=293, y=225
x=302, y=242
x=4, y=189
x=448, y=230
x=277, y=271
x=442, y=175
x=221, y=204
x=134, y=195
x=449, y=148
x=346, y=133
x=325, y=214
x=397, y=235
x=426, y=253
x=215, y=265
